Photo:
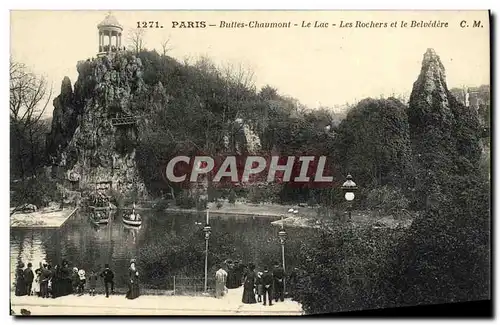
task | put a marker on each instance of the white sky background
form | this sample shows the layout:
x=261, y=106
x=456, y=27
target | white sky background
x=318, y=67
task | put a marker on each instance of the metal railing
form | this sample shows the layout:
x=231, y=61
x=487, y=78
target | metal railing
x=183, y=284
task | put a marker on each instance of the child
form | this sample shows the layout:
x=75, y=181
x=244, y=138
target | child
x=75, y=280
x=36, y=286
x=260, y=287
x=92, y=283
x=81, y=284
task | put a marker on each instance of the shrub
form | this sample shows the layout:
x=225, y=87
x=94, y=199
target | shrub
x=387, y=199
x=117, y=198
x=39, y=191
x=201, y=204
x=161, y=205
x=185, y=201
x=219, y=204
x=232, y=196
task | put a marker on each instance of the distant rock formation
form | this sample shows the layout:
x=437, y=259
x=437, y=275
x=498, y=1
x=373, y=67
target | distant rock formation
x=445, y=134
x=85, y=147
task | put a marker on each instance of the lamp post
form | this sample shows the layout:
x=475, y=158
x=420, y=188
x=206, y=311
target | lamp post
x=282, y=235
x=349, y=187
x=207, y=230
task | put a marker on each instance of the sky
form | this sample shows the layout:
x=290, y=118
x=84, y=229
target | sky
x=318, y=66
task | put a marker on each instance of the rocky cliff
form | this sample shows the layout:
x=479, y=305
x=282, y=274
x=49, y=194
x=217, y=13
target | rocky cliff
x=86, y=146
x=445, y=134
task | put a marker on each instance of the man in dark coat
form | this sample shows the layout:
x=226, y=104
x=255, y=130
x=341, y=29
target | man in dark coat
x=44, y=281
x=20, y=283
x=67, y=287
x=267, y=282
x=29, y=276
x=108, y=277
x=279, y=282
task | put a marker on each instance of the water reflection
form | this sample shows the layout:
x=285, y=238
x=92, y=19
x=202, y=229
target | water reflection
x=165, y=244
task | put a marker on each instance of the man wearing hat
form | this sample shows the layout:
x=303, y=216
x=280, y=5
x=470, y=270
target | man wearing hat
x=108, y=277
x=267, y=282
x=279, y=282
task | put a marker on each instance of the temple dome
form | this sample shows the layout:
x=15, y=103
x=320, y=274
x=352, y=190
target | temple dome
x=110, y=21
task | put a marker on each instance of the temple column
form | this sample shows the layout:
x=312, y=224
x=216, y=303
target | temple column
x=109, y=35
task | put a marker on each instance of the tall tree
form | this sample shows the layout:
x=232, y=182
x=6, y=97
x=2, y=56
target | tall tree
x=136, y=39
x=29, y=97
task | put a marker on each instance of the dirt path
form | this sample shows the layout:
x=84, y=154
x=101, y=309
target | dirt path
x=151, y=305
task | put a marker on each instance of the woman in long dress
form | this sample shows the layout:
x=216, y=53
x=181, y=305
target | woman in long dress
x=133, y=286
x=36, y=282
x=249, y=286
x=20, y=283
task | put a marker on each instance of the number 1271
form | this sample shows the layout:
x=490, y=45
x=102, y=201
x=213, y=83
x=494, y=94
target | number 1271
x=148, y=24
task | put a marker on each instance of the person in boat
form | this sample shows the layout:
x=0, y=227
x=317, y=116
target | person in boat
x=133, y=291
x=249, y=285
x=20, y=283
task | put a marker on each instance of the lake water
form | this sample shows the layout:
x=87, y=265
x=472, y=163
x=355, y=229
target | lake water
x=166, y=245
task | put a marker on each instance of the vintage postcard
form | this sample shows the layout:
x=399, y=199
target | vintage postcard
x=249, y=162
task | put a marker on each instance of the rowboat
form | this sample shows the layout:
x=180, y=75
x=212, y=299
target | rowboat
x=135, y=223
x=133, y=219
x=100, y=219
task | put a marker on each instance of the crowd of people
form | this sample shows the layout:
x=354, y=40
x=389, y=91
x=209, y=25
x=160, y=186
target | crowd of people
x=62, y=280
x=258, y=286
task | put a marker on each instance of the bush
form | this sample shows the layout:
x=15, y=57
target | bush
x=117, y=198
x=232, y=197
x=201, y=204
x=213, y=194
x=387, y=199
x=39, y=191
x=161, y=205
x=185, y=201
x=219, y=204
x=131, y=198
x=344, y=270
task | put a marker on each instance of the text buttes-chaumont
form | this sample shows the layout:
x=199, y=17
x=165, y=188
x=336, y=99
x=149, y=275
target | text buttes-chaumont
x=254, y=24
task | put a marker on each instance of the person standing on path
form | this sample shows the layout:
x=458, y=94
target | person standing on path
x=279, y=282
x=249, y=286
x=259, y=286
x=44, y=281
x=133, y=291
x=92, y=283
x=20, y=282
x=108, y=277
x=267, y=282
x=65, y=279
x=29, y=276
x=36, y=287
x=81, y=283
x=220, y=282
x=75, y=280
